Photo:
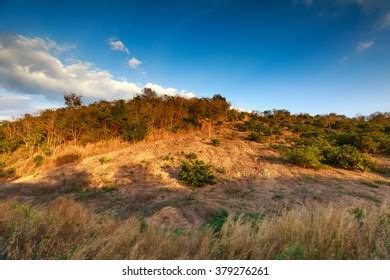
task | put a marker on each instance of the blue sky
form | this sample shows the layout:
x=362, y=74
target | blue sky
x=315, y=56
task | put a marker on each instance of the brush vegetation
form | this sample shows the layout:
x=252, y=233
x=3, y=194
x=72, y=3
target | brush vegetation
x=308, y=141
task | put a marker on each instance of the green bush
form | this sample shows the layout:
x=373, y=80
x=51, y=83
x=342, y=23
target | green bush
x=9, y=145
x=134, y=132
x=191, y=155
x=217, y=222
x=256, y=137
x=348, y=157
x=38, y=160
x=215, y=142
x=196, y=173
x=305, y=156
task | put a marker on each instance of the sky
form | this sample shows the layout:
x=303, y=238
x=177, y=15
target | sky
x=312, y=56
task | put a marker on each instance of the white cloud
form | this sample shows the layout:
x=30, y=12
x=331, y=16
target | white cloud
x=364, y=46
x=133, y=63
x=18, y=105
x=169, y=91
x=385, y=22
x=31, y=67
x=117, y=45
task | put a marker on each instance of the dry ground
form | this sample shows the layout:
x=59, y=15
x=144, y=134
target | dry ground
x=142, y=179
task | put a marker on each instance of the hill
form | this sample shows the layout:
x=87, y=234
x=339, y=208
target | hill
x=256, y=165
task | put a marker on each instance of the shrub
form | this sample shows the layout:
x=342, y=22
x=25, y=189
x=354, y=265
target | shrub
x=196, y=173
x=348, y=157
x=9, y=145
x=217, y=222
x=67, y=158
x=256, y=137
x=358, y=213
x=190, y=155
x=38, y=160
x=134, y=132
x=305, y=156
x=215, y=142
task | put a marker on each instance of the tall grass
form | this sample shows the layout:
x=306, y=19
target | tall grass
x=65, y=229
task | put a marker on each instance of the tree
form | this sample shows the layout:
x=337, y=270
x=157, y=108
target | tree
x=73, y=100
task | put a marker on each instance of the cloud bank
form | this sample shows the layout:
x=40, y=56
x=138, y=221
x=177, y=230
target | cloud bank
x=31, y=66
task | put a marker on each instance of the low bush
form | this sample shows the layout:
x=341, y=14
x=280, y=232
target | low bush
x=67, y=158
x=196, y=173
x=217, y=222
x=215, y=142
x=256, y=137
x=134, y=132
x=38, y=160
x=191, y=155
x=305, y=156
x=348, y=157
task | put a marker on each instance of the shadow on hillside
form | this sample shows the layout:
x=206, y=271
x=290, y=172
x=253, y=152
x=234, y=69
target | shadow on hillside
x=44, y=192
x=134, y=191
x=272, y=159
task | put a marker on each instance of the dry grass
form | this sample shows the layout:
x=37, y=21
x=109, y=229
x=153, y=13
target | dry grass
x=22, y=161
x=65, y=229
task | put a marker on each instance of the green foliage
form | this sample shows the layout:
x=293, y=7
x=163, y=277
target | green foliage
x=348, y=157
x=131, y=120
x=358, y=213
x=305, y=156
x=294, y=251
x=134, y=132
x=191, y=155
x=9, y=145
x=256, y=137
x=38, y=160
x=217, y=222
x=196, y=173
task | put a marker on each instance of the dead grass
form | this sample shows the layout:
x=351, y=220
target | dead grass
x=65, y=229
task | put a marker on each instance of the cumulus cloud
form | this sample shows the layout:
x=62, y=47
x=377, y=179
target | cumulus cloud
x=31, y=66
x=169, y=91
x=133, y=63
x=364, y=46
x=117, y=45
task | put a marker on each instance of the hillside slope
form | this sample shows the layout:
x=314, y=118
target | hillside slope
x=142, y=178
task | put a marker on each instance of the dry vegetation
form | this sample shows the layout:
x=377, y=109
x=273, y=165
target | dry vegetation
x=65, y=229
